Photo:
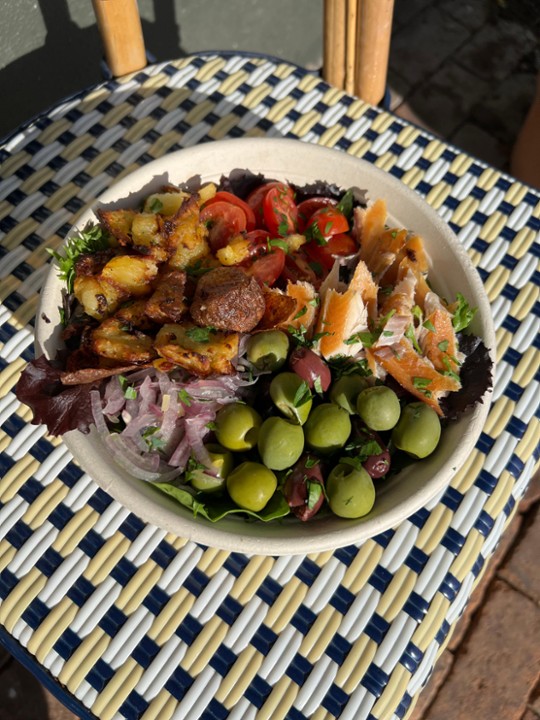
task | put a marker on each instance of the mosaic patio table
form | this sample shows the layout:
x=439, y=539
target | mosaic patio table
x=120, y=619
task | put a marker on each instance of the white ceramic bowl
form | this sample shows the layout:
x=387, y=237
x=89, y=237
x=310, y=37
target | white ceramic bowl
x=452, y=271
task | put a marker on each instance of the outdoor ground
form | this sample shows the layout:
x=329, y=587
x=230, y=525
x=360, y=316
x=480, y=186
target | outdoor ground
x=465, y=71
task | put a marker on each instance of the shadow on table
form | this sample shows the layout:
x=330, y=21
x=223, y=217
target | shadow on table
x=69, y=60
x=22, y=697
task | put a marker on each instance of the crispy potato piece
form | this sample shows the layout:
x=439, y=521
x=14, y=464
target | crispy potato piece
x=165, y=203
x=186, y=235
x=235, y=252
x=133, y=313
x=90, y=375
x=206, y=192
x=98, y=297
x=118, y=223
x=149, y=237
x=181, y=345
x=167, y=303
x=111, y=340
x=278, y=309
x=131, y=274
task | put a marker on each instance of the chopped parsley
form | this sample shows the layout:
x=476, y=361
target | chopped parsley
x=421, y=383
x=130, y=393
x=184, y=397
x=313, y=232
x=300, y=335
x=197, y=269
x=449, y=372
x=346, y=204
x=410, y=335
x=314, y=490
x=443, y=345
x=311, y=462
x=342, y=365
x=302, y=395
x=368, y=339
x=200, y=334
x=363, y=448
x=156, y=205
x=301, y=312
x=151, y=438
x=316, y=267
x=283, y=227
x=192, y=467
x=463, y=313
x=89, y=240
x=279, y=243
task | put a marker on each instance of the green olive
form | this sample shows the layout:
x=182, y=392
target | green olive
x=268, y=350
x=350, y=490
x=251, y=485
x=418, y=430
x=237, y=427
x=327, y=428
x=280, y=443
x=222, y=463
x=344, y=392
x=379, y=407
x=292, y=396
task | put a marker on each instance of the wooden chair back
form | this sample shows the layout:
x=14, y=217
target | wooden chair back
x=356, y=42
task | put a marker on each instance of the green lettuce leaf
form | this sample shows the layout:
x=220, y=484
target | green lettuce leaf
x=215, y=509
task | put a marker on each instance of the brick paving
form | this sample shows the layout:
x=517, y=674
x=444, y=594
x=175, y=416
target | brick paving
x=466, y=72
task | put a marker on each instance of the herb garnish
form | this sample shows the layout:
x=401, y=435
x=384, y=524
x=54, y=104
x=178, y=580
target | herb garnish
x=463, y=314
x=156, y=205
x=200, y=334
x=89, y=240
x=302, y=395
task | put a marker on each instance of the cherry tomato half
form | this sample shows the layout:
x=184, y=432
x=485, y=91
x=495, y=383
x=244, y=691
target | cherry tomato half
x=307, y=207
x=224, y=220
x=255, y=201
x=267, y=268
x=326, y=222
x=339, y=245
x=258, y=243
x=224, y=196
x=280, y=211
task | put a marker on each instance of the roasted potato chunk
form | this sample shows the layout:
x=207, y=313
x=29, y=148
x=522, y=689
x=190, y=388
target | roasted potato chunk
x=167, y=303
x=133, y=314
x=111, y=340
x=118, y=223
x=237, y=250
x=186, y=235
x=131, y=274
x=148, y=236
x=199, y=350
x=98, y=297
x=165, y=203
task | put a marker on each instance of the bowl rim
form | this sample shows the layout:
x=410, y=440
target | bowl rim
x=211, y=534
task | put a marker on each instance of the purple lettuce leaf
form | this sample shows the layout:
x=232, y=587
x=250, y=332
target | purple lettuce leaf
x=61, y=408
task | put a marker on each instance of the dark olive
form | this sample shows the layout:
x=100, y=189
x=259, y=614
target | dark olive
x=311, y=368
x=368, y=447
x=303, y=488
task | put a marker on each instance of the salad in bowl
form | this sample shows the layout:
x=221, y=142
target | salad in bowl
x=261, y=359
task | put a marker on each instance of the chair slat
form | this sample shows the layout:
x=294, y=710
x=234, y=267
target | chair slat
x=120, y=27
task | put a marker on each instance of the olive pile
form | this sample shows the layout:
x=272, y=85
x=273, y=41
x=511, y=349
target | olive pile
x=320, y=438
